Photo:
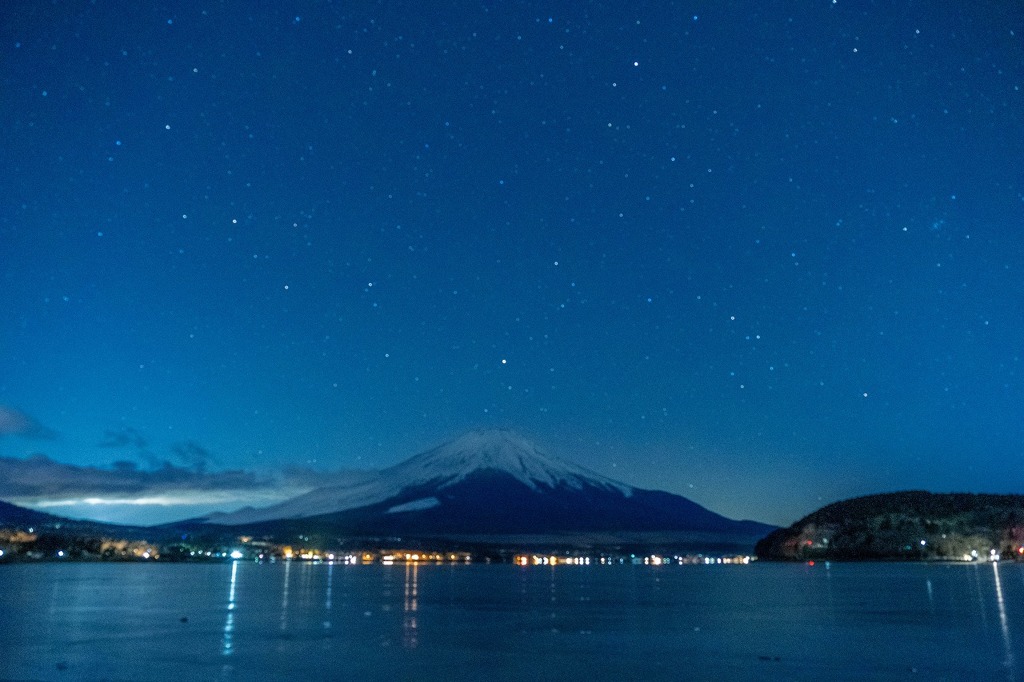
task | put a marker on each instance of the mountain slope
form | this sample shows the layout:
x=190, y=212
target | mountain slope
x=904, y=525
x=440, y=468
x=12, y=515
x=488, y=482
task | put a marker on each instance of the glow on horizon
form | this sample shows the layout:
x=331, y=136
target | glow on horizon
x=230, y=499
x=140, y=501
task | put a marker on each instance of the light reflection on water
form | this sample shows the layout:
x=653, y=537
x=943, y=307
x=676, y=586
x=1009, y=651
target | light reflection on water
x=979, y=592
x=284, y=595
x=838, y=621
x=410, y=638
x=327, y=600
x=1004, y=625
x=229, y=624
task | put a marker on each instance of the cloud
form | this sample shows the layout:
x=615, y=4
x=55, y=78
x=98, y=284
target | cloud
x=39, y=479
x=126, y=491
x=14, y=422
x=193, y=455
x=127, y=437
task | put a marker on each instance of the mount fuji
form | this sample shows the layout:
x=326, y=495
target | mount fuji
x=489, y=482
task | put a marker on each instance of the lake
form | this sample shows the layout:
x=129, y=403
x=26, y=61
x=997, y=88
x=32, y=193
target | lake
x=242, y=621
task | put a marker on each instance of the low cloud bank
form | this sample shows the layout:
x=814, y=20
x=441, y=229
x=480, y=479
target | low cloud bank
x=40, y=478
x=38, y=481
x=191, y=478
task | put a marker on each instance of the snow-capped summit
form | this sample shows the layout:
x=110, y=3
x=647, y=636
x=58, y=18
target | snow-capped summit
x=502, y=451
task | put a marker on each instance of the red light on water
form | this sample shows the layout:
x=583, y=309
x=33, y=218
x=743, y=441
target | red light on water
x=810, y=563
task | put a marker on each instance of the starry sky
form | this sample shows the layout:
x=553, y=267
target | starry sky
x=765, y=255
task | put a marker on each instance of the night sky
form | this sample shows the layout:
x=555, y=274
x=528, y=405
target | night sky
x=766, y=255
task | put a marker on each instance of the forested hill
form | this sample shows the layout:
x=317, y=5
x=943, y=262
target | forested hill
x=905, y=525
x=14, y=516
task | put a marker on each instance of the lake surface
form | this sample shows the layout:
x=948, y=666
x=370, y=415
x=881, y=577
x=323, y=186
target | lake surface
x=247, y=621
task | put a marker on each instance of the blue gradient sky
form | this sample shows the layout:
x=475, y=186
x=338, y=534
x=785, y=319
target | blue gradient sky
x=766, y=255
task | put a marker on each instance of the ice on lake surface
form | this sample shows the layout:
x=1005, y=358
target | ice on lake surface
x=245, y=621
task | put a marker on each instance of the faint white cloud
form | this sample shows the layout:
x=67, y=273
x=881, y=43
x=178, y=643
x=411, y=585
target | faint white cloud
x=14, y=422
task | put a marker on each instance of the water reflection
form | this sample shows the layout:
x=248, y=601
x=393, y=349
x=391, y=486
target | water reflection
x=410, y=627
x=284, y=594
x=229, y=624
x=891, y=617
x=1003, y=625
x=979, y=593
x=327, y=600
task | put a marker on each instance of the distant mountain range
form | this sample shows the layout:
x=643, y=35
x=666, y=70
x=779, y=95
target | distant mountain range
x=490, y=483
